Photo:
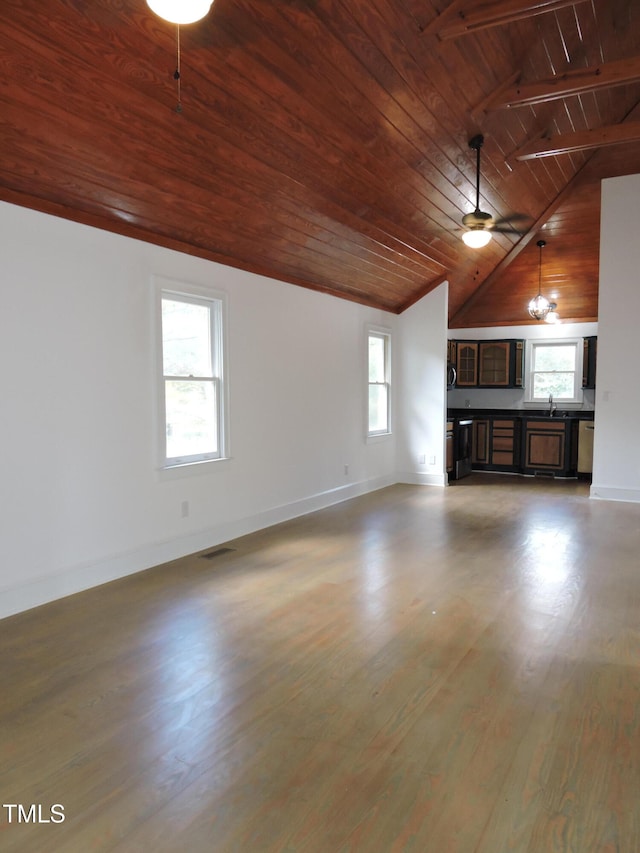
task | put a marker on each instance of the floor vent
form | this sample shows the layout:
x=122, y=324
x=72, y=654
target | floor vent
x=211, y=555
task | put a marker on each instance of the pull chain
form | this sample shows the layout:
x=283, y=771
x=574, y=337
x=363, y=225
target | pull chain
x=176, y=73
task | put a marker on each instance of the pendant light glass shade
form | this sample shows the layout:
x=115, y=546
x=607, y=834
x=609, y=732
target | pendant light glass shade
x=476, y=238
x=180, y=11
x=540, y=306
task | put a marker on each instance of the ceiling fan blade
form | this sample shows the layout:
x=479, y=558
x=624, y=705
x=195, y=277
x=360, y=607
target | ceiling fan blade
x=514, y=219
x=505, y=229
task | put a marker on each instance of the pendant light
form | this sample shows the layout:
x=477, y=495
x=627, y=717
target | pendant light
x=180, y=11
x=539, y=306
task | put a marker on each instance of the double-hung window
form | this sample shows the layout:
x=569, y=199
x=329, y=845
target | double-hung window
x=192, y=378
x=379, y=365
x=555, y=371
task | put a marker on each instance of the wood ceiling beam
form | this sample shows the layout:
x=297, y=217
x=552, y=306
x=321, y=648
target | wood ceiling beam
x=570, y=83
x=567, y=143
x=487, y=104
x=481, y=17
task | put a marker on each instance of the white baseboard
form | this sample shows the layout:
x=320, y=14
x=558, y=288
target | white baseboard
x=613, y=493
x=77, y=578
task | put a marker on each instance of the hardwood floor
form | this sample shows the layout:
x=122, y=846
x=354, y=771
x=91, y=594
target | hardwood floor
x=420, y=669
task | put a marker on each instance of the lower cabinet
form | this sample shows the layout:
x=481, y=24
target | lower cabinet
x=480, y=443
x=534, y=445
x=549, y=446
x=449, y=454
x=495, y=444
x=504, y=444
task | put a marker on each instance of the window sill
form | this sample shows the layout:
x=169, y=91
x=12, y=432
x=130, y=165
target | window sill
x=378, y=436
x=191, y=469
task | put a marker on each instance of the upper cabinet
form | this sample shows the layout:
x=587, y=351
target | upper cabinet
x=489, y=364
x=466, y=363
x=589, y=358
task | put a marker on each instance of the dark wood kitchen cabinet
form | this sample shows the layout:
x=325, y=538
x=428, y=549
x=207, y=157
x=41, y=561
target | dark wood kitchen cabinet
x=466, y=363
x=490, y=364
x=496, y=444
x=504, y=443
x=480, y=444
x=589, y=359
x=500, y=364
x=549, y=446
x=450, y=449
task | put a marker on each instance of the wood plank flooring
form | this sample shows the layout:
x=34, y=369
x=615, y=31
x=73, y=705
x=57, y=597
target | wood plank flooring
x=420, y=669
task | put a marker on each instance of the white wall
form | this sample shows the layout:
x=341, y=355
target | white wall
x=422, y=401
x=616, y=465
x=82, y=499
x=513, y=398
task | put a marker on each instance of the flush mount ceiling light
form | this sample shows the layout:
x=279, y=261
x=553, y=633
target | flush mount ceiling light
x=180, y=11
x=552, y=316
x=539, y=307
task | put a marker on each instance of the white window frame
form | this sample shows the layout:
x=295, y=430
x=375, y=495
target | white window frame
x=216, y=303
x=385, y=335
x=577, y=397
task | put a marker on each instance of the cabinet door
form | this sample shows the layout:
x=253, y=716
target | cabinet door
x=449, y=448
x=480, y=451
x=545, y=446
x=518, y=367
x=589, y=358
x=494, y=362
x=467, y=363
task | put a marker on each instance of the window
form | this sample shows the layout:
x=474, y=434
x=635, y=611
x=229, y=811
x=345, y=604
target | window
x=555, y=369
x=191, y=388
x=379, y=421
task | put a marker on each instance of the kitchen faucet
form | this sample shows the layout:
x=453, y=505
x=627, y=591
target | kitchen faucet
x=552, y=407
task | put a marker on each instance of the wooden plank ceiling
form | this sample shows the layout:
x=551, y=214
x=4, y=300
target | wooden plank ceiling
x=325, y=142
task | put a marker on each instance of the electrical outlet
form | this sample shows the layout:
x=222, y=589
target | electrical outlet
x=432, y=460
x=346, y=470
x=184, y=509
x=421, y=459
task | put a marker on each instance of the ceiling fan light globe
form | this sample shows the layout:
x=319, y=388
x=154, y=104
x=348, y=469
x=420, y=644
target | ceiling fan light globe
x=539, y=307
x=476, y=238
x=180, y=11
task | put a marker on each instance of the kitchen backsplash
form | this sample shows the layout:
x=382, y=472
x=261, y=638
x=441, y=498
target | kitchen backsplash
x=504, y=398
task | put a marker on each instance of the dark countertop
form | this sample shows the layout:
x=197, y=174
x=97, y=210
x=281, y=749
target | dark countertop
x=559, y=414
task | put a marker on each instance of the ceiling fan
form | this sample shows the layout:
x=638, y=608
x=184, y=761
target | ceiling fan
x=479, y=225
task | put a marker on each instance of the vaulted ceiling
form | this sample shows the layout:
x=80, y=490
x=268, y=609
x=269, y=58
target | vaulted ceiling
x=326, y=142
